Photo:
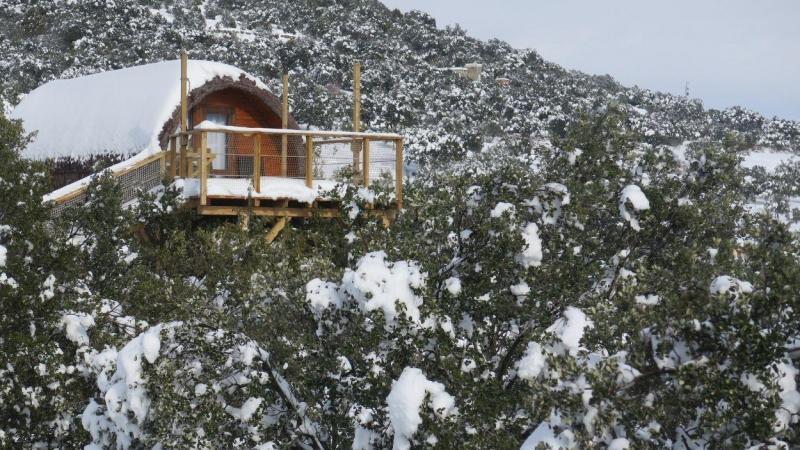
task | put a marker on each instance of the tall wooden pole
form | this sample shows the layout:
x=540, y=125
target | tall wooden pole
x=285, y=125
x=356, y=145
x=357, y=97
x=184, y=113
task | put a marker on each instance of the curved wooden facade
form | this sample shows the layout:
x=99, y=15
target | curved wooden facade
x=243, y=104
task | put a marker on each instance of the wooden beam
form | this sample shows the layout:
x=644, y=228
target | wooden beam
x=279, y=131
x=257, y=162
x=309, y=162
x=398, y=173
x=285, y=125
x=268, y=211
x=276, y=229
x=184, y=119
x=203, y=169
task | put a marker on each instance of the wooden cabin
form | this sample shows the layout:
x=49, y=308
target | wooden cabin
x=113, y=116
x=214, y=130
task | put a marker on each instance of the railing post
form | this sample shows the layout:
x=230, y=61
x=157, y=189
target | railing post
x=398, y=173
x=172, y=158
x=257, y=162
x=309, y=161
x=203, y=169
x=365, y=170
x=183, y=166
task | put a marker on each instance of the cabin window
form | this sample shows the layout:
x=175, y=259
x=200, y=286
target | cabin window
x=217, y=142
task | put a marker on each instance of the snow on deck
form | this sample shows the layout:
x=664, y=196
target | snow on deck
x=272, y=188
x=121, y=112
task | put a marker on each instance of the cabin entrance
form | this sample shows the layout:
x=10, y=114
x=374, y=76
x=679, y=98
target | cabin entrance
x=218, y=142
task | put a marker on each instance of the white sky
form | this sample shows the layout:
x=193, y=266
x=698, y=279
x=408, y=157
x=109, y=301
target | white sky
x=732, y=52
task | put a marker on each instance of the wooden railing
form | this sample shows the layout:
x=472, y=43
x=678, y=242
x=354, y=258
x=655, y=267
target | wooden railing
x=296, y=154
x=140, y=175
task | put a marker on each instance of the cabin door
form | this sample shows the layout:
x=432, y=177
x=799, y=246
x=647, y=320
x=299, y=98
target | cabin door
x=217, y=142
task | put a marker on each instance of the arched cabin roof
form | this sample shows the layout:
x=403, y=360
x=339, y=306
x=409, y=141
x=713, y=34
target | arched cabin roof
x=125, y=112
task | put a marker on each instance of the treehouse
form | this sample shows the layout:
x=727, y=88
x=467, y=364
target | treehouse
x=210, y=129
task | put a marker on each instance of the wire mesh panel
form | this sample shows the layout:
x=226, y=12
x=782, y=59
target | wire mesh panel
x=143, y=178
x=140, y=178
x=232, y=155
x=340, y=160
x=60, y=207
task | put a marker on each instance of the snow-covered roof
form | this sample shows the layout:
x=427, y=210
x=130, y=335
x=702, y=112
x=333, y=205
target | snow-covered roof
x=121, y=112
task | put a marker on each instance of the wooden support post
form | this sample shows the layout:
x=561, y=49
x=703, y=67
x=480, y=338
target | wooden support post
x=172, y=158
x=257, y=163
x=203, y=169
x=162, y=164
x=309, y=161
x=365, y=170
x=184, y=113
x=355, y=146
x=285, y=125
x=276, y=229
x=183, y=168
x=398, y=173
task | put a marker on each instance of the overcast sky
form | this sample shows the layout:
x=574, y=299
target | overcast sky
x=744, y=52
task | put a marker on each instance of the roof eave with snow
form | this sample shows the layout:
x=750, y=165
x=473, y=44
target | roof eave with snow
x=122, y=112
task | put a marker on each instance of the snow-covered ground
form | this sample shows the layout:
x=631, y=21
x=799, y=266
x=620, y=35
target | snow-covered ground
x=763, y=157
x=768, y=159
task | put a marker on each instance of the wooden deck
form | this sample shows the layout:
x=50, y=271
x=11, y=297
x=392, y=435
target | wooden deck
x=326, y=156
x=270, y=172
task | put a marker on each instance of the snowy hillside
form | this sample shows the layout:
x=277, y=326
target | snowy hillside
x=577, y=265
x=318, y=40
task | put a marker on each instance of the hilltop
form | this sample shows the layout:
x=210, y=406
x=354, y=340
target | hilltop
x=318, y=41
x=577, y=264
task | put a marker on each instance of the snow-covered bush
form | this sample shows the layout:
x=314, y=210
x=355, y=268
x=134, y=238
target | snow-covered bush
x=558, y=276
